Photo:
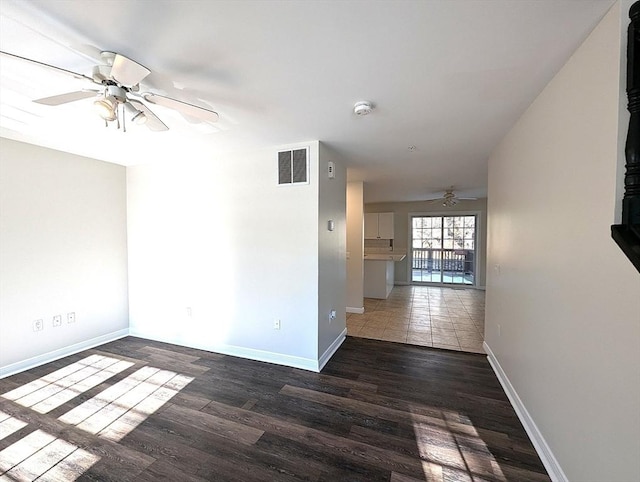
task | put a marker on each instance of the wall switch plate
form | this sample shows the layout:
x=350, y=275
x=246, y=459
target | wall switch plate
x=332, y=315
x=276, y=324
x=57, y=320
x=38, y=325
x=189, y=312
x=71, y=317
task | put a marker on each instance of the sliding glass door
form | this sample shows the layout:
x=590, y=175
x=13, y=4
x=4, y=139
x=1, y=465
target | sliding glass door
x=443, y=249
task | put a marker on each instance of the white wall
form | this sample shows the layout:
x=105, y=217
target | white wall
x=332, y=251
x=563, y=302
x=219, y=236
x=401, y=212
x=355, y=247
x=63, y=248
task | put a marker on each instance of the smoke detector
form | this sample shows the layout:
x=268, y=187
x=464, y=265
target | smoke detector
x=362, y=108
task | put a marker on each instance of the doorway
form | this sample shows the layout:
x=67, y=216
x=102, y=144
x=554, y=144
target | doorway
x=443, y=249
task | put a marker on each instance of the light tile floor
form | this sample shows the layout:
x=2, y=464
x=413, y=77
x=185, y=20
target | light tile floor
x=424, y=315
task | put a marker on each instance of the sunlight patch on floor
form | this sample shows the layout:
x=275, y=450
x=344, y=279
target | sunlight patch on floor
x=61, y=386
x=120, y=408
x=453, y=445
x=9, y=425
x=41, y=455
x=112, y=414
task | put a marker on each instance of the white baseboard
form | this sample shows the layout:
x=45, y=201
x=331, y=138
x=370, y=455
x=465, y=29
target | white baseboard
x=326, y=356
x=540, y=444
x=359, y=311
x=54, y=355
x=241, y=352
x=401, y=283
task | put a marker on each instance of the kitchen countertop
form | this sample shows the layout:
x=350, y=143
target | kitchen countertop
x=384, y=256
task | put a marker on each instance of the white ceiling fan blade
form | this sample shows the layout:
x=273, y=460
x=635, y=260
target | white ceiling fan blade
x=127, y=72
x=68, y=97
x=153, y=121
x=90, y=51
x=53, y=67
x=184, y=107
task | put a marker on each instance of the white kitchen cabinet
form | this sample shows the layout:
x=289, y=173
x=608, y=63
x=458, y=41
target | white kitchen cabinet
x=385, y=225
x=378, y=226
x=371, y=226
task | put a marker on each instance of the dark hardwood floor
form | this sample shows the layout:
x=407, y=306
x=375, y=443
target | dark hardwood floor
x=135, y=409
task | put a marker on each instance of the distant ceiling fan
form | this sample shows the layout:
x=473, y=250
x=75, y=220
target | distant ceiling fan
x=119, y=79
x=449, y=199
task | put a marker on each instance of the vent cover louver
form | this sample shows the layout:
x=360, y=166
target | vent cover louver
x=293, y=167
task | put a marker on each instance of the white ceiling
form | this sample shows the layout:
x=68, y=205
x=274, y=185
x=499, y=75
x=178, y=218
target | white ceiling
x=449, y=77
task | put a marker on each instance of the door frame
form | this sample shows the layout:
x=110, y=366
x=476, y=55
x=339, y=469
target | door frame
x=478, y=245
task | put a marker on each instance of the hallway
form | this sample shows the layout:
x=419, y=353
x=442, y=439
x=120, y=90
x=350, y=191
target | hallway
x=424, y=315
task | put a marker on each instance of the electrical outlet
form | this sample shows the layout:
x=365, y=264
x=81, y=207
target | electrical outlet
x=189, y=312
x=332, y=315
x=38, y=325
x=71, y=317
x=57, y=320
x=276, y=324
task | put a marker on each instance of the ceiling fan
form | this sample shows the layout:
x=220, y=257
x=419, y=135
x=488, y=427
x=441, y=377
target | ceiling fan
x=449, y=199
x=118, y=94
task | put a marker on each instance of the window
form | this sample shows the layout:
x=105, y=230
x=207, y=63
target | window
x=443, y=249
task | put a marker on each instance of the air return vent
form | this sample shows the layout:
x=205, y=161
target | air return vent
x=293, y=166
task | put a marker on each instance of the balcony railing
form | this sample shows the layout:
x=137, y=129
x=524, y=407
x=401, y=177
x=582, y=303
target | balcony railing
x=443, y=265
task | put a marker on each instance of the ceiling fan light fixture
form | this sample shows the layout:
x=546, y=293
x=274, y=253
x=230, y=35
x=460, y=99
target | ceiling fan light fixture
x=137, y=116
x=105, y=107
x=140, y=118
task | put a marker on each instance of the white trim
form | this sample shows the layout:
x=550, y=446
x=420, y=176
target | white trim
x=326, y=356
x=54, y=355
x=351, y=309
x=241, y=352
x=540, y=444
x=401, y=283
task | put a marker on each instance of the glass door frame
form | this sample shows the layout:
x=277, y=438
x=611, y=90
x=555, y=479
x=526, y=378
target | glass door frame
x=477, y=246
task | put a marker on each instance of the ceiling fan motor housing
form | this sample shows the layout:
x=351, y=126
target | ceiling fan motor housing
x=116, y=92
